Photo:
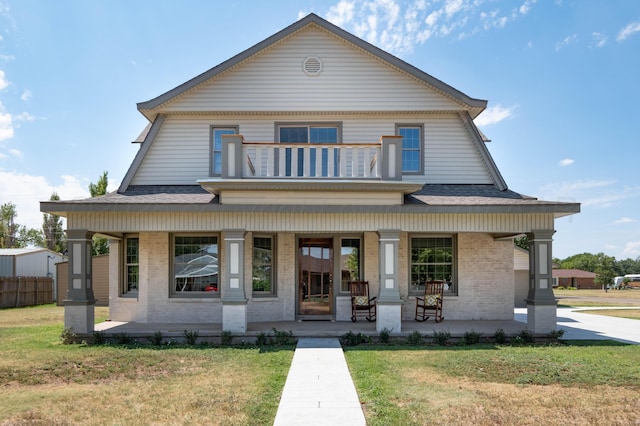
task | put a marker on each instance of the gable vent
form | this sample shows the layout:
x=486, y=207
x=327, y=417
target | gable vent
x=312, y=66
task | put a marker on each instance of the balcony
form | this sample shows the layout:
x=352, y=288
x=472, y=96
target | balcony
x=259, y=172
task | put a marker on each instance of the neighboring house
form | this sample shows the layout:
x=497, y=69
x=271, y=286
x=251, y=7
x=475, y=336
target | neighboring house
x=266, y=183
x=574, y=278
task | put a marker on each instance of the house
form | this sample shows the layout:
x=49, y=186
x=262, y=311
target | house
x=265, y=184
x=574, y=278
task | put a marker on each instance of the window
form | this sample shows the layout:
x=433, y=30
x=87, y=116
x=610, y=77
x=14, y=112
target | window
x=411, y=148
x=195, y=265
x=216, y=147
x=263, y=266
x=131, y=265
x=432, y=259
x=321, y=133
x=350, y=262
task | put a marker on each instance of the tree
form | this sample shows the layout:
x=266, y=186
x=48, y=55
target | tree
x=100, y=245
x=8, y=226
x=54, y=237
x=585, y=262
x=605, y=270
x=522, y=242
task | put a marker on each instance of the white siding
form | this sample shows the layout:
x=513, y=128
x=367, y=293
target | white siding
x=274, y=81
x=180, y=153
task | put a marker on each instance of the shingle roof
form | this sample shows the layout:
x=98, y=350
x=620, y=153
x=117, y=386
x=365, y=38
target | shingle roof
x=572, y=273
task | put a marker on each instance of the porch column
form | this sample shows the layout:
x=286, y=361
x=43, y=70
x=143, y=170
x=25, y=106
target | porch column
x=541, y=303
x=79, y=303
x=392, y=155
x=389, y=306
x=234, y=302
x=232, y=156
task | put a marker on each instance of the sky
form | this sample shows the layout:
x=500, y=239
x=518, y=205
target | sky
x=562, y=80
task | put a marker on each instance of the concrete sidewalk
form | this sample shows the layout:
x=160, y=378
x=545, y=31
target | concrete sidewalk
x=319, y=389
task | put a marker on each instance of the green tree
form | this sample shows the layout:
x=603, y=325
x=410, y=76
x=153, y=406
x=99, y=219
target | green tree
x=54, y=236
x=585, y=262
x=8, y=227
x=522, y=242
x=100, y=245
x=605, y=270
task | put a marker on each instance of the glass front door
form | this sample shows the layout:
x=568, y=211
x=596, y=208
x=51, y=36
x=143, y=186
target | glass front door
x=315, y=276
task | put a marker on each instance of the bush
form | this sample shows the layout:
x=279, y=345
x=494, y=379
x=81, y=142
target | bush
x=414, y=338
x=282, y=338
x=352, y=339
x=384, y=335
x=191, y=337
x=68, y=336
x=500, y=336
x=156, y=338
x=122, y=338
x=262, y=339
x=471, y=338
x=226, y=338
x=441, y=337
x=98, y=338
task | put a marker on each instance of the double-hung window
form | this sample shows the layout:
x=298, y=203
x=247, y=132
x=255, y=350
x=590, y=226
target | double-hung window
x=264, y=282
x=350, y=262
x=195, y=265
x=433, y=259
x=216, y=146
x=411, y=148
x=131, y=265
x=315, y=134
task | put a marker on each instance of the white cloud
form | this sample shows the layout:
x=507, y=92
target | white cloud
x=629, y=30
x=526, y=7
x=566, y=162
x=4, y=83
x=6, y=124
x=26, y=192
x=16, y=153
x=631, y=249
x=566, y=42
x=624, y=220
x=341, y=14
x=26, y=95
x=6, y=58
x=599, y=40
x=493, y=115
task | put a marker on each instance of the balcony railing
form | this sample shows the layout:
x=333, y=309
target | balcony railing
x=245, y=160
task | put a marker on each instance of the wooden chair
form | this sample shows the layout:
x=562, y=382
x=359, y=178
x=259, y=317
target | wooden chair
x=361, y=303
x=431, y=302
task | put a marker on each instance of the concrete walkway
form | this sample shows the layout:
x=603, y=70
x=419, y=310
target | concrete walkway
x=319, y=389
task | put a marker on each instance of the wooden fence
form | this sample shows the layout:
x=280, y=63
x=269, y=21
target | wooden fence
x=25, y=291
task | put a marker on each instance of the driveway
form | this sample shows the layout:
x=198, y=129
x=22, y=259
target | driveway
x=581, y=326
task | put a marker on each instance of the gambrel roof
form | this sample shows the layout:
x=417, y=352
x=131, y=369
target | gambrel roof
x=153, y=107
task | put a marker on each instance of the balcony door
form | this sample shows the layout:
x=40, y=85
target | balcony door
x=315, y=278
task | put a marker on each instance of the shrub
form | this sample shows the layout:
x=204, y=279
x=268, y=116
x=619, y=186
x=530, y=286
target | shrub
x=471, y=338
x=441, y=337
x=68, y=336
x=352, y=339
x=191, y=337
x=384, y=335
x=282, y=338
x=556, y=334
x=524, y=337
x=122, y=338
x=500, y=336
x=226, y=338
x=98, y=338
x=156, y=338
x=414, y=338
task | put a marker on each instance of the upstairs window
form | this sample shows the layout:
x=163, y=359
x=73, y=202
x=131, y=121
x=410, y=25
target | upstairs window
x=411, y=148
x=216, y=147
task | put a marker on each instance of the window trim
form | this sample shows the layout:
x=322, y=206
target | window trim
x=274, y=269
x=454, y=289
x=212, y=151
x=308, y=125
x=420, y=127
x=173, y=294
x=124, y=288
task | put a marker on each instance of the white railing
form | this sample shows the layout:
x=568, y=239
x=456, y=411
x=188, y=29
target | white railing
x=257, y=160
x=311, y=161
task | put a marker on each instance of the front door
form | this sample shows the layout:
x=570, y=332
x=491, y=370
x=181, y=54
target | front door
x=315, y=277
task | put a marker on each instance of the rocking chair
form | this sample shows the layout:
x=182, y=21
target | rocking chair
x=361, y=303
x=431, y=302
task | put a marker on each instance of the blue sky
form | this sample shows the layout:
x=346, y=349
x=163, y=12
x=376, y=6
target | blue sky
x=561, y=78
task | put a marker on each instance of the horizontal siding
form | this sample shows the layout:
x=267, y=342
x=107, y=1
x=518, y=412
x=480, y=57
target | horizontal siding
x=180, y=153
x=350, y=80
x=309, y=222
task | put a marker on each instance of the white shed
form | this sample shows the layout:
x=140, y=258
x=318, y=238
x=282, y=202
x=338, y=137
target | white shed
x=30, y=262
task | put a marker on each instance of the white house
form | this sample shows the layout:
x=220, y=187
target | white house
x=267, y=183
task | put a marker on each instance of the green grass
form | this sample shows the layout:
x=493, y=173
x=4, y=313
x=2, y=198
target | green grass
x=45, y=382
x=488, y=384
